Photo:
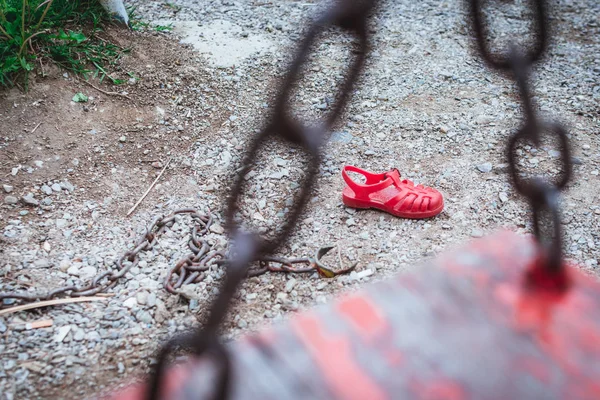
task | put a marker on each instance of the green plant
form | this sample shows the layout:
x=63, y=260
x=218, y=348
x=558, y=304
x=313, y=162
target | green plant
x=137, y=24
x=65, y=32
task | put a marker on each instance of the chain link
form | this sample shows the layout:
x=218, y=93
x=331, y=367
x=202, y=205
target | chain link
x=542, y=194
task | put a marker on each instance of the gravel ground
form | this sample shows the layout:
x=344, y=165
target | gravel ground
x=425, y=105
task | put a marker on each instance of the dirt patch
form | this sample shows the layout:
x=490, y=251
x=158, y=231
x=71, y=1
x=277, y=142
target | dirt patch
x=112, y=144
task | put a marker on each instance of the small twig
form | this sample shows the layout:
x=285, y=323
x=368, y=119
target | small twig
x=35, y=129
x=105, y=295
x=47, y=303
x=105, y=92
x=149, y=189
x=44, y=323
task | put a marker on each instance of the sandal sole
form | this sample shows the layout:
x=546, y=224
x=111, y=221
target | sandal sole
x=365, y=205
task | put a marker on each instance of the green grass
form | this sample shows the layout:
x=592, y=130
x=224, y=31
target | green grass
x=65, y=32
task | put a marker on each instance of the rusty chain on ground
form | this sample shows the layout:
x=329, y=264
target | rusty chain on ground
x=188, y=270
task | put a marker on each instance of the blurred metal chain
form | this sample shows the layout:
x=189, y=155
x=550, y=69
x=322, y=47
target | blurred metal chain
x=351, y=16
x=542, y=194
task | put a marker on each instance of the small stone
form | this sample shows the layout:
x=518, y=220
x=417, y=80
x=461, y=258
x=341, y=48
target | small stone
x=157, y=165
x=350, y=222
x=29, y=200
x=242, y=324
x=56, y=187
x=41, y=263
x=123, y=139
x=280, y=162
x=144, y=317
x=476, y=233
x=61, y=223
x=64, y=265
x=67, y=186
x=363, y=274
x=130, y=302
x=11, y=200
x=218, y=229
x=47, y=201
x=483, y=119
x=8, y=188
x=88, y=271
x=62, y=333
x=46, y=190
x=485, y=167
x=341, y=137
x=73, y=270
x=151, y=300
x=291, y=283
x=251, y=296
x=79, y=335
x=503, y=197
x=142, y=298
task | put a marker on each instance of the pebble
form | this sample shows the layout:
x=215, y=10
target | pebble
x=151, y=300
x=362, y=274
x=88, y=272
x=41, y=263
x=130, y=302
x=242, y=324
x=62, y=333
x=73, y=270
x=29, y=200
x=8, y=188
x=56, y=187
x=218, y=229
x=61, y=223
x=485, y=167
x=290, y=284
x=503, y=197
x=46, y=190
x=79, y=335
x=142, y=298
x=476, y=233
x=144, y=317
x=11, y=200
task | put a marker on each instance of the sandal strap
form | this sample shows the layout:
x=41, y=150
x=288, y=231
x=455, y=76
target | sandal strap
x=401, y=200
x=374, y=182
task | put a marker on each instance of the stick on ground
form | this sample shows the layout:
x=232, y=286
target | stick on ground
x=149, y=189
x=47, y=303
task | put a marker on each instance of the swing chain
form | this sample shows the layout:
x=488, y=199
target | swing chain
x=351, y=17
x=542, y=194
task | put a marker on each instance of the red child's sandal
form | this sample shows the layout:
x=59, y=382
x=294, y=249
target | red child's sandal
x=388, y=193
